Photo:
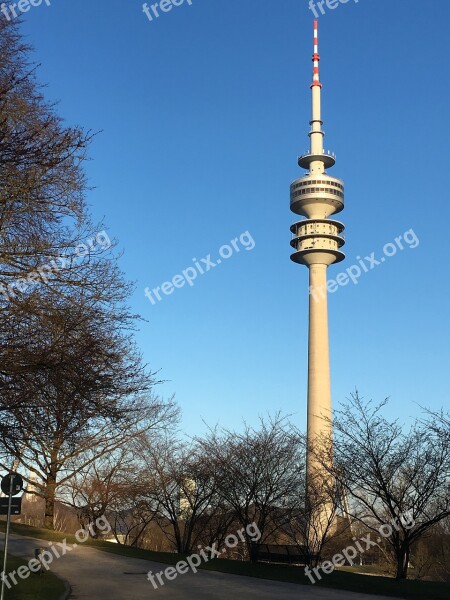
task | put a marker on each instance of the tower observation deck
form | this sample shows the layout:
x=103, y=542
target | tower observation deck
x=317, y=195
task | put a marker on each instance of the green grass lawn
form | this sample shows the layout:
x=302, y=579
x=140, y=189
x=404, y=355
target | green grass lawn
x=340, y=579
x=36, y=587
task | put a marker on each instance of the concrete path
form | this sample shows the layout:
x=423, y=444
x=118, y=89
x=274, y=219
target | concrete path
x=96, y=575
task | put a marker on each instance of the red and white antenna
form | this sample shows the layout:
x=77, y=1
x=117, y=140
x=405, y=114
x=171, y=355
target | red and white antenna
x=316, y=56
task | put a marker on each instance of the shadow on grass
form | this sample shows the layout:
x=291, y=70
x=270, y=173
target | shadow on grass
x=36, y=587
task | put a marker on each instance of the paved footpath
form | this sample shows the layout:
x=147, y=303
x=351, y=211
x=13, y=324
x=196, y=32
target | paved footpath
x=96, y=575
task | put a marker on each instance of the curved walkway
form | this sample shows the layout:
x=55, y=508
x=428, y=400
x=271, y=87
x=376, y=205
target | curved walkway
x=96, y=575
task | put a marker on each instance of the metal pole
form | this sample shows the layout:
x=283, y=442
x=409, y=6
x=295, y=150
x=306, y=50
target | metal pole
x=8, y=521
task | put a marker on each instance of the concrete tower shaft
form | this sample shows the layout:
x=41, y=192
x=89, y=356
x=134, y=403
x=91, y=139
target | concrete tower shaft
x=319, y=385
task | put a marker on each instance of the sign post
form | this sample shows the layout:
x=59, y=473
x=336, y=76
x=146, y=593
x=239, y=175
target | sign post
x=12, y=484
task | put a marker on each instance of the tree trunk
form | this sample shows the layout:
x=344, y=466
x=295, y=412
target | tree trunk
x=49, y=519
x=252, y=549
x=402, y=563
x=49, y=495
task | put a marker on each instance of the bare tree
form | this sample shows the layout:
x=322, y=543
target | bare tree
x=114, y=487
x=260, y=474
x=182, y=489
x=43, y=212
x=72, y=384
x=87, y=393
x=131, y=515
x=92, y=491
x=397, y=480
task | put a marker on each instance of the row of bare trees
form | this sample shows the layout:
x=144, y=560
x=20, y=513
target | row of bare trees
x=198, y=491
x=382, y=475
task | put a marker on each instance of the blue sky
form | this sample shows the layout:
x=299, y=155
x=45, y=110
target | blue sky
x=203, y=112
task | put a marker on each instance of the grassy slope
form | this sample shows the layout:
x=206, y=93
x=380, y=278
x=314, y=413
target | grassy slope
x=36, y=587
x=342, y=579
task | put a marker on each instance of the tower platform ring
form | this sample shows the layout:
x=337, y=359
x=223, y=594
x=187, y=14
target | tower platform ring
x=306, y=159
x=299, y=205
x=298, y=257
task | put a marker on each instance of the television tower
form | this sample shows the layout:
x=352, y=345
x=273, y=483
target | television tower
x=317, y=241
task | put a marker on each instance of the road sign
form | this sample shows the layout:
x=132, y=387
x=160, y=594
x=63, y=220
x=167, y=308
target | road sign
x=11, y=485
x=16, y=506
x=17, y=484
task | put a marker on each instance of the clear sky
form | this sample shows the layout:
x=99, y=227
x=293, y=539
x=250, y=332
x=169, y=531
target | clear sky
x=203, y=112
